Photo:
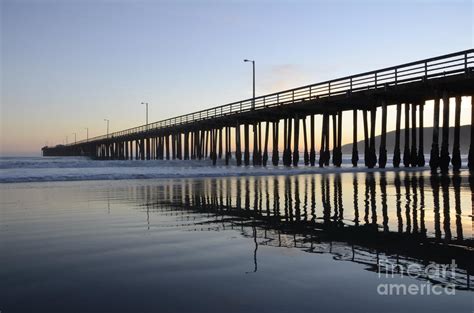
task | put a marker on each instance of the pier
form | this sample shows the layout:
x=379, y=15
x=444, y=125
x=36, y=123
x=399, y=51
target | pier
x=283, y=118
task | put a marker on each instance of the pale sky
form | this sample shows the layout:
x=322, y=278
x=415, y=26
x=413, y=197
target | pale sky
x=67, y=65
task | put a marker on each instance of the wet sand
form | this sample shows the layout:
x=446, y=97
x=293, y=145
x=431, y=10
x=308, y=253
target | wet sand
x=266, y=243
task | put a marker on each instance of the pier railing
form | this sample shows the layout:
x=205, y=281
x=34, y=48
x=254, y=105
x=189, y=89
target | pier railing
x=423, y=70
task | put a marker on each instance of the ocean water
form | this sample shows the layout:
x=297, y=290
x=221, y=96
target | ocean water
x=161, y=236
x=37, y=169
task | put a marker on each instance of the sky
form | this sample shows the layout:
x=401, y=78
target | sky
x=68, y=65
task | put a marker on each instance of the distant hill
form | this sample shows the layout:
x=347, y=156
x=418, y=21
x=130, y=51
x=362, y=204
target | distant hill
x=464, y=141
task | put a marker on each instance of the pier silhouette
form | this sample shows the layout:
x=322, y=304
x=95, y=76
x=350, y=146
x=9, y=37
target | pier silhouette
x=216, y=133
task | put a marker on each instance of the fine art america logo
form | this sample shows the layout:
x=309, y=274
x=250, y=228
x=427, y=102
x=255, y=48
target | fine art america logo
x=438, y=278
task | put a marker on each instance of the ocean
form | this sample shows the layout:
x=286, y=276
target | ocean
x=78, y=235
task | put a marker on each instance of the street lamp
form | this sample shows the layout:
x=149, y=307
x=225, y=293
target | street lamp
x=253, y=70
x=107, y=126
x=75, y=137
x=146, y=103
x=87, y=129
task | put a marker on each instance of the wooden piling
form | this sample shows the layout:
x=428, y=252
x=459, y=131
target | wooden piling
x=434, y=153
x=355, y=152
x=456, y=160
x=322, y=151
x=312, y=152
x=238, y=152
x=220, y=143
x=337, y=150
x=246, y=145
x=413, y=153
x=444, y=157
x=421, y=155
x=167, y=146
x=288, y=144
x=296, y=154
x=327, y=154
x=275, y=156
x=366, y=138
x=305, y=141
x=265, y=148
x=470, y=163
x=255, y=145
x=406, y=150
x=383, y=137
x=373, y=155
x=334, y=139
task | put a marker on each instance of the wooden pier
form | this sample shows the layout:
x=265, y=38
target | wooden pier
x=222, y=132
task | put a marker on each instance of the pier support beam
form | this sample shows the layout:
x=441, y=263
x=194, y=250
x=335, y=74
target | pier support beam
x=259, y=145
x=167, y=146
x=413, y=153
x=227, y=145
x=456, y=160
x=296, y=154
x=327, y=154
x=406, y=150
x=334, y=139
x=355, y=152
x=238, y=152
x=383, y=137
x=137, y=149
x=323, y=153
x=213, y=148
x=246, y=145
x=434, y=153
x=337, y=152
x=396, y=151
x=255, y=145
x=275, y=156
x=366, y=138
x=186, y=145
x=373, y=155
x=265, y=147
x=220, y=143
x=445, y=158
x=471, y=146
x=312, y=151
x=287, y=151
x=421, y=154
x=305, y=140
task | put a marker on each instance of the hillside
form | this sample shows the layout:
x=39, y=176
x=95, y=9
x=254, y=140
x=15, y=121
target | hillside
x=465, y=138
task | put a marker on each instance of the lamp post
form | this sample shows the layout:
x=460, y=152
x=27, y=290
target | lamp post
x=146, y=103
x=75, y=137
x=107, y=126
x=87, y=134
x=253, y=85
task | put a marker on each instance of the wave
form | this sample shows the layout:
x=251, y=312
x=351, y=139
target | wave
x=18, y=170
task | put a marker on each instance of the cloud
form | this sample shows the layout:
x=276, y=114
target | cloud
x=285, y=76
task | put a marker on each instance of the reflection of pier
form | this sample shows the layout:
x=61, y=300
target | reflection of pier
x=281, y=119
x=395, y=217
